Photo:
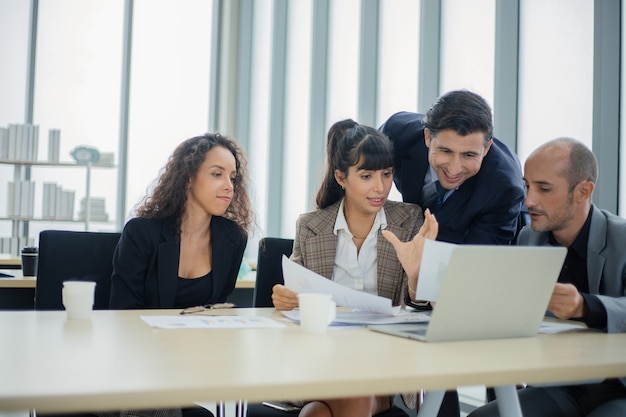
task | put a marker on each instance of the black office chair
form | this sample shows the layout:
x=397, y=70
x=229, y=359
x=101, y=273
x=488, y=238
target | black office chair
x=79, y=256
x=269, y=272
x=269, y=268
x=84, y=256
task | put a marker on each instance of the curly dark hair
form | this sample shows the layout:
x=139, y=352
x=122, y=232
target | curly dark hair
x=170, y=193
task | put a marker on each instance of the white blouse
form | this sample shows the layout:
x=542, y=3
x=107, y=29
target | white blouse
x=352, y=270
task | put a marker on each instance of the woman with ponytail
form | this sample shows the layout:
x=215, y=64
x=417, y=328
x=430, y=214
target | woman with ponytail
x=359, y=239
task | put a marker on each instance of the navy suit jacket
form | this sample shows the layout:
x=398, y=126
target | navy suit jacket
x=485, y=209
x=145, y=263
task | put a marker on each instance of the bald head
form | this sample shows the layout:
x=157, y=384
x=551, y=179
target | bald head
x=573, y=160
x=560, y=177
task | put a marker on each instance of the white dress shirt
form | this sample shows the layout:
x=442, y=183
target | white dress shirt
x=352, y=270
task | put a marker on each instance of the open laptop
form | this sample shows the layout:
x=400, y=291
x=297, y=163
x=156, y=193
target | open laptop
x=486, y=292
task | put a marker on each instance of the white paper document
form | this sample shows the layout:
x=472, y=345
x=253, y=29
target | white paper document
x=435, y=260
x=210, y=322
x=302, y=280
x=550, y=327
x=365, y=317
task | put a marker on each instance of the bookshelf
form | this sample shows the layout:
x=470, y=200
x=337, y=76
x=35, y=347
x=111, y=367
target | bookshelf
x=57, y=203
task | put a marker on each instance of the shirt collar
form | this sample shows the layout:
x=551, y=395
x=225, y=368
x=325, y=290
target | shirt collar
x=580, y=243
x=380, y=222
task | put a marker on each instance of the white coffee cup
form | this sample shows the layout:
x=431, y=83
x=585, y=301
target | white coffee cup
x=317, y=311
x=78, y=298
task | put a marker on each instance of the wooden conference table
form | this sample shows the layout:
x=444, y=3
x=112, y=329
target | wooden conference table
x=10, y=262
x=115, y=360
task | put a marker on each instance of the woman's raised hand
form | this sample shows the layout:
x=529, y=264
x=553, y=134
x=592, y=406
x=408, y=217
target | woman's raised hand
x=410, y=253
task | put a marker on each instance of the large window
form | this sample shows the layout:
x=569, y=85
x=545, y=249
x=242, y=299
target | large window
x=398, y=57
x=14, y=25
x=77, y=83
x=343, y=86
x=169, y=94
x=556, y=72
x=297, y=113
x=467, y=46
x=79, y=72
x=259, y=110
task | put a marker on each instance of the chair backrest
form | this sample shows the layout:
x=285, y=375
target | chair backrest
x=68, y=255
x=269, y=268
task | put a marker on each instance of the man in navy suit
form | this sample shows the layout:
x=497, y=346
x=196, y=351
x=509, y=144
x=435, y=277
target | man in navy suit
x=449, y=161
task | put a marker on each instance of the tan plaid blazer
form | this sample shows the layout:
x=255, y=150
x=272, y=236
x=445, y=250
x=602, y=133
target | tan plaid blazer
x=315, y=244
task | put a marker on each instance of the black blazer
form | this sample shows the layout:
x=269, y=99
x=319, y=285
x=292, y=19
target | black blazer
x=486, y=207
x=145, y=263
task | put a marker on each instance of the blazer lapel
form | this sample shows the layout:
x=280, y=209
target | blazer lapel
x=387, y=266
x=168, y=259
x=222, y=252
x=390, y=273
x=322, y=246
x=413, y=174
x=597, y=242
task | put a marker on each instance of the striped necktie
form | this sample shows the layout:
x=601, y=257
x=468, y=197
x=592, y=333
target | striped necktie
x=434, y=201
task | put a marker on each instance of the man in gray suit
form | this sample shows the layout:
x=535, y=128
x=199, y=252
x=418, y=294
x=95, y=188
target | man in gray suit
x=560, y=177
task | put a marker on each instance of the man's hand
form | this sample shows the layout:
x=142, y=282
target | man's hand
x=566, y=302
x=283, y=298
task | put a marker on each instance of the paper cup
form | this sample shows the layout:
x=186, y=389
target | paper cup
x=78, y=298
x=317, y=311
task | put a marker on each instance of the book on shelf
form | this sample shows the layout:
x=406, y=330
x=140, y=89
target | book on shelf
x=54, y=142
x=11, y=199
x=4, y=143
x=58, y=204
x=20, y=199
x=48, y=209
x=12, y=148
x=97, y=210
x=19, y=142
x=13, y=245
x=66, y=211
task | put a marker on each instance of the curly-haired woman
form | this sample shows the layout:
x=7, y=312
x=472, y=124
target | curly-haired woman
x=186, y=244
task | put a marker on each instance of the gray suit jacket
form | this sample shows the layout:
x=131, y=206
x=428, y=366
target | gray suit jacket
x=606, y=263
x=315, y=244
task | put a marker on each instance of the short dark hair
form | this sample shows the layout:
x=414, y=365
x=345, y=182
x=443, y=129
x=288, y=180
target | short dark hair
x=462, y=111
